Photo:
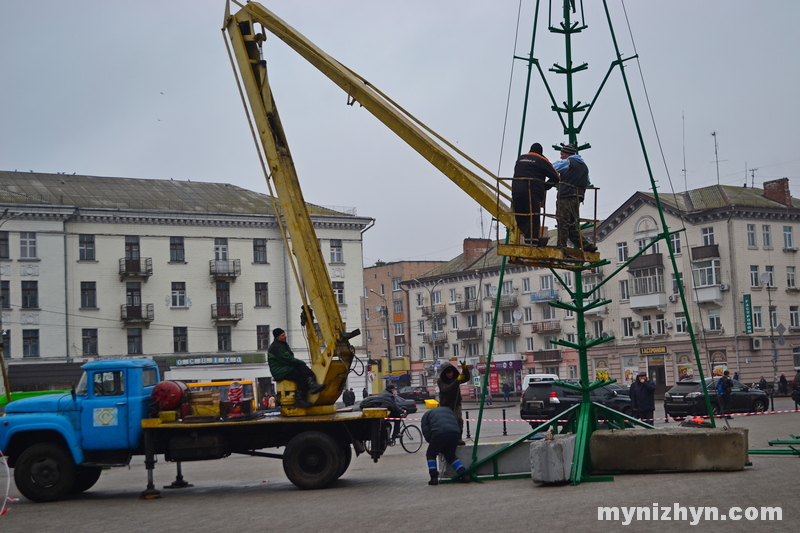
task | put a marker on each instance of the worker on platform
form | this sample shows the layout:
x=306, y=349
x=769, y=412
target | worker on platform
x=574, y=175
x=283, y=365
x=533, y=175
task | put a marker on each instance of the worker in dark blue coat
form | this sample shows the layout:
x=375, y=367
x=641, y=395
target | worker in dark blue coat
x=441, y=431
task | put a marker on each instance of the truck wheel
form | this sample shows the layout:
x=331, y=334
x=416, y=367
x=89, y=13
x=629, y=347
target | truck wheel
x=313, y=460
x=347, y=456
x=85, y=478
x=45, y=472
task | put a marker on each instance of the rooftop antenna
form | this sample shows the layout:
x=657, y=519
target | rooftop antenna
x=716, y=153
x=753, y=177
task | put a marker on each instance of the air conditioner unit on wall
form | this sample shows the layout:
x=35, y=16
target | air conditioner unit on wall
x=755, y=343
x=636, y=324
x=668, y=325
x=724, y=286
x=673, y=298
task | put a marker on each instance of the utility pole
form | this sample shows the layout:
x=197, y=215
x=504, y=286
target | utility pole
x=716, y=153
x=752, y=177
x=385, y=311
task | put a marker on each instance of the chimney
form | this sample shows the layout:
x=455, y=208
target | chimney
x=778, y=190
x=474, y=249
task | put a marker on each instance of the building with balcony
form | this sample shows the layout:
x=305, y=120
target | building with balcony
x=736, y=255
x=192, y=274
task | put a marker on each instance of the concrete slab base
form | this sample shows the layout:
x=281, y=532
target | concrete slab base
x=513, y=461
x=675, y=449
x=551, y=459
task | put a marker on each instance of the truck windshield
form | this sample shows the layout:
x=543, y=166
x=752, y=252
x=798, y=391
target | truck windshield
x=80, y=390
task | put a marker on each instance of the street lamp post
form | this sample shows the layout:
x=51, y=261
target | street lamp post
x=385, y=310
x=766, y=279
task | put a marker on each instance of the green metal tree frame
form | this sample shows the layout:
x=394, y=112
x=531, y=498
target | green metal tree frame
x=581, y=419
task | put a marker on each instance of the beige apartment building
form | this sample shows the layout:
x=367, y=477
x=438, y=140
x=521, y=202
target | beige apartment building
x=192, y=274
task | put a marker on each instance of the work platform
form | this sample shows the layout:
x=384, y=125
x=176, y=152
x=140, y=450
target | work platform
x=548, y=256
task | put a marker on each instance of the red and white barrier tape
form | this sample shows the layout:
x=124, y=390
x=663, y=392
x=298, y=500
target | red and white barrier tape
x=6, y=498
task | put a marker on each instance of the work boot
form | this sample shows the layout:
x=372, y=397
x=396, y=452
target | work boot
x=465, y=478
x=315, y=387
x=434, y=480
x=300, y=400
x=461, y=442
x=591, y=248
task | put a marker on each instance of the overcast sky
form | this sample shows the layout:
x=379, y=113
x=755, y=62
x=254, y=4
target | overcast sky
x=145, y=90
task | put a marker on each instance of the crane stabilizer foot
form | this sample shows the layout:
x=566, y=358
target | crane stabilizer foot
x=351, y=334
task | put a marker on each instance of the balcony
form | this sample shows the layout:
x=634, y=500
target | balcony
x=227, y=313
x=546, y=295
x=710, y=251
x=399, y=339
x=469, y=306
x=136, y=268
x=438, y=310
x=507, y=300
x=646, y=261
x=709, y=294
x=469, y=334
x=548, y=326
x=137, y=314
x=648, y=301
x=438, y=337
x=547, y=356
x=508, y=330
x=227, y=269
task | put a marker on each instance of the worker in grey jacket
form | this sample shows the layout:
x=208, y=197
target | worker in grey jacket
x=441, y=431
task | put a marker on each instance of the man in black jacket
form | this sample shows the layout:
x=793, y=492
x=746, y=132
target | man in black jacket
x=528, y=191
x=441, y=431
x=643, y=398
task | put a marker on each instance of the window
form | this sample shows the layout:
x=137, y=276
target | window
x=675, y=241
x=526, y=285
x=262, y=294
x=509, y=345
x=420, y=299
x=337, y=256
x=473, y=349
x=180, y=340
x=680, y=323
x=338, y=291
x=488, y=291
x=529, y=344
x=421, y=351
x=454, y=322
x=627, y=327
x=508, y=288
x=548, y=313
x=675, y=282
x=89, y=337
x=472, y=321
x=758, y=322
x=488, y=318
x=507, y=316
x=567, y=277
x=794, y=316
x=548, y=342
x=455, y=351
x=471, y=293
x=224, y=338
x=624, y=293
x=647, y=325
x=573, y=372
x=641, y=244
x=569, y=314
x=88, y=294
x=788, y=239
x=714, y=322
x=438, y=325
x=366, y=313
x=769, y=269
x=791, y=278
x=453, y=296
x=260, y=251
x=27, y=245
x=4, y=251
x=7, y=342
x=648, y=280
x=708, y=236
x=86, y=247
x=622, y=252
x=597, y=329
x=5, y=294
x=546, y=282
x=438, y=352
x=436, y=298
x=396, y=284
x=400, y=350
x=706, y=273
x=766, y=235
x=397, y=305
x=383, y=293
x=400, y=328
x=109, y=383
x=132, y=247
x=661, y=326
x=30, y=294
x=421, y=326
x=176, y=251
x=220, y=249
x=773, y=317
x=135, y=341
x=178, y=294
x=527, y=314
x=751, y=236
x=754, y=279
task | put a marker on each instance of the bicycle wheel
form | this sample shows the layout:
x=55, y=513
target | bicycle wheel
x=411, y=439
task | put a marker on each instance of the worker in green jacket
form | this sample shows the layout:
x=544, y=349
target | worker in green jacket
x=283, y=365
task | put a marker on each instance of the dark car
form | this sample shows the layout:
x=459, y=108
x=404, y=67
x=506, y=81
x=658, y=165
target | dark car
x=545, y=400
x=619, y=389
x=409, y=405
x=686, y=398
x=417, y=394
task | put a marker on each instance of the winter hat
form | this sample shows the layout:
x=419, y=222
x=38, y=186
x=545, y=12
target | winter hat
x=569, y=149
x=277, y=332
x=536, y=148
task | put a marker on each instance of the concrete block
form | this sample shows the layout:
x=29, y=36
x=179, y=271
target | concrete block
x=513, y=461
x=551, y=459
x=675, y=449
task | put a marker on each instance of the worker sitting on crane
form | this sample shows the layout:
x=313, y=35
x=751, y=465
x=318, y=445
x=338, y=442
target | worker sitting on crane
x=574, y=180
x=283, y=365
x=528, y=191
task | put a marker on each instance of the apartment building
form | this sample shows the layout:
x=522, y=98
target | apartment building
x=385, y=335
x=192, y=274
x=737, y=258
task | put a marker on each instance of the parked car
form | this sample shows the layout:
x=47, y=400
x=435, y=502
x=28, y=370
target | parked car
x=620, y=389
x=418, y=394
x=686, y=398
x=545, y=400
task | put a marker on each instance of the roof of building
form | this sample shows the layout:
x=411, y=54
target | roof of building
x=133, y=193
x=718, y=196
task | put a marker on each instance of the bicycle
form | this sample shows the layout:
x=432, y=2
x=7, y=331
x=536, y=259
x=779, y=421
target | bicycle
x=410, y=437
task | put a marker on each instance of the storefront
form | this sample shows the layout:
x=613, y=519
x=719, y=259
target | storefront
x=501, y=372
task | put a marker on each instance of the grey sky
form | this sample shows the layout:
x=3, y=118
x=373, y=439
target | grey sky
x=144, y=89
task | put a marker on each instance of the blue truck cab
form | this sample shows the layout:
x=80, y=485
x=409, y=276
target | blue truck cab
x=58, y=443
